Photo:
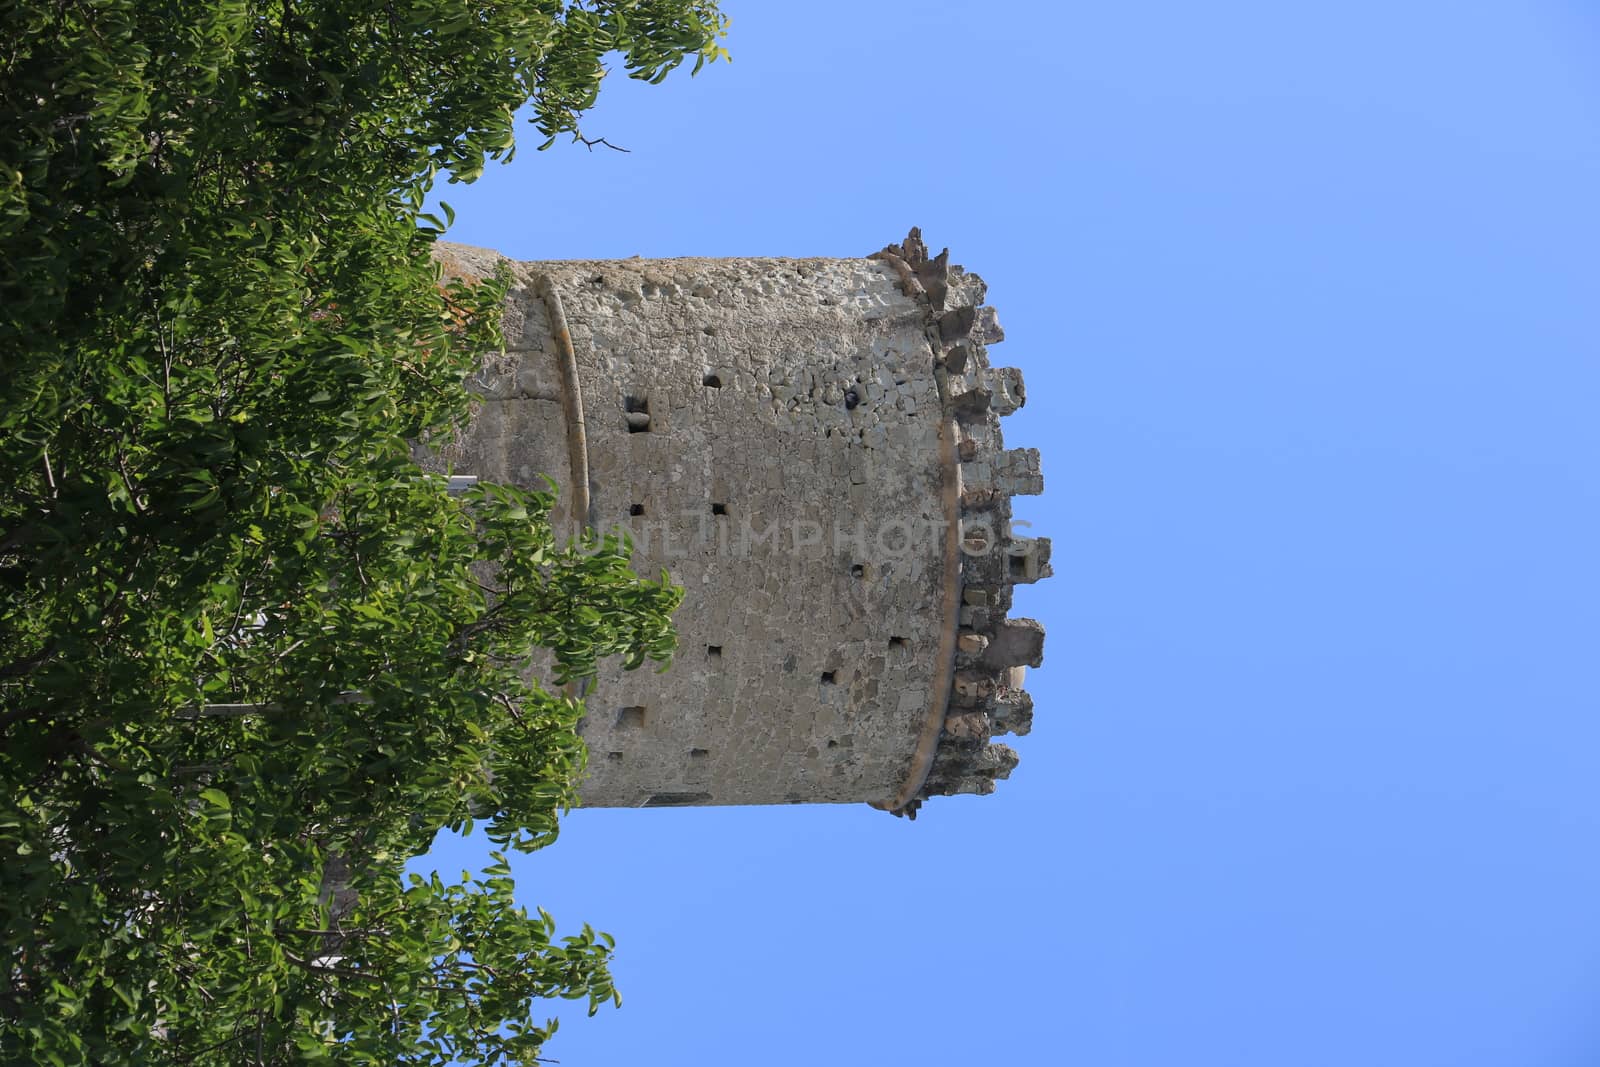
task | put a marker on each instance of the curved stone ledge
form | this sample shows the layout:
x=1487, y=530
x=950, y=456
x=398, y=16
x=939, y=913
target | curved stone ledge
x=992, y=650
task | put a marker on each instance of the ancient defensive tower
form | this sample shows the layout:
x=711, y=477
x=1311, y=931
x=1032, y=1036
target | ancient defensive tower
x=812, y=449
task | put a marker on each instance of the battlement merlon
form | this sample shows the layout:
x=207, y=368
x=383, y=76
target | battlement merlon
x=855, y=394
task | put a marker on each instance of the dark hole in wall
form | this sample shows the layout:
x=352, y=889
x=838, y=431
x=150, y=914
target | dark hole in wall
x=631, y=718
x=713, y=651
x=637, y=509
x=699, y=753
x=676, y=800
x=614, y=757
x=827, y=678
x=719, y=509
x=1018, y=567
x=711, y=381
x=857, y=571
x=897, y=642
x=636, y=409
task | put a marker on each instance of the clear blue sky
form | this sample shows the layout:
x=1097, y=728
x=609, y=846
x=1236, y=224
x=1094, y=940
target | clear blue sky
x=1305, y=296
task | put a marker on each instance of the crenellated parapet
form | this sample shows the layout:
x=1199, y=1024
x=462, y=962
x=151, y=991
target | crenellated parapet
x=992, y=650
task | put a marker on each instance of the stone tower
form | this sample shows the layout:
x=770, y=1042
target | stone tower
x=812, y=449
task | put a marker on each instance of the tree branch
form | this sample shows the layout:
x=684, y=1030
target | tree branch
x=589, y=144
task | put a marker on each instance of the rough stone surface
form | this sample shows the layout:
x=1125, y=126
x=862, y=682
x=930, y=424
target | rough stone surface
x=789, y=439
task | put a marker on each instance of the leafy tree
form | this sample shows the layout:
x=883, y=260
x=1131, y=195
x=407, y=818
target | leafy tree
x=251, y=656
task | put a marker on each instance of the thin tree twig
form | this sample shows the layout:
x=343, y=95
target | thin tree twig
x=589, y=144
x=49, y=475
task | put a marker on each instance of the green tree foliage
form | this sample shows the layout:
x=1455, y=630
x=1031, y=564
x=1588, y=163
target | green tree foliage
x=251, y=656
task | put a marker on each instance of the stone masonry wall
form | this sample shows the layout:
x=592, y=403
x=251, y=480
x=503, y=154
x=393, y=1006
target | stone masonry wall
x=811, y=448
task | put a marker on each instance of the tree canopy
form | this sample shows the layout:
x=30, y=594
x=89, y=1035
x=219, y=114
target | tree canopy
x=252, y=657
